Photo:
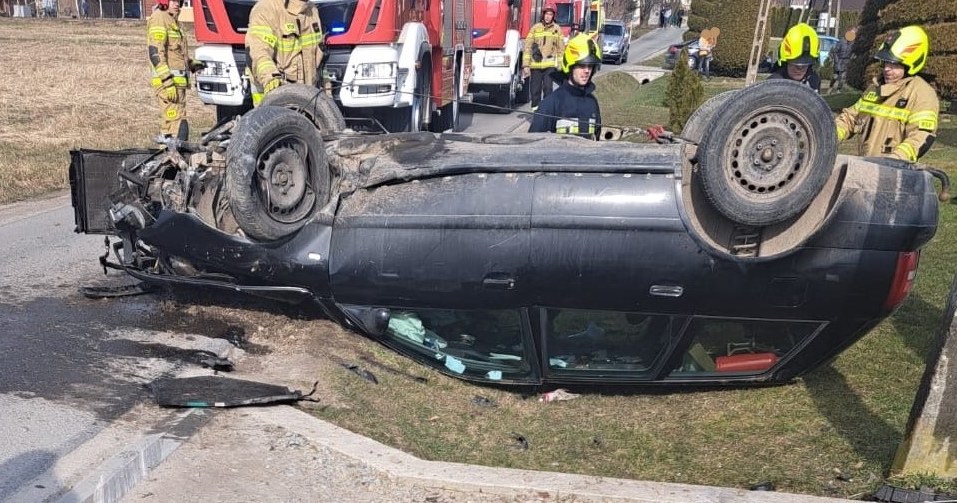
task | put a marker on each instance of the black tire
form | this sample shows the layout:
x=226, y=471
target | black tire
x=700, y=121
x=770, y=151
x=506, y=97
x=277, y=172
x=311, y=102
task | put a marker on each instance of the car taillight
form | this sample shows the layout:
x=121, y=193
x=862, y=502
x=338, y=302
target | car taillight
x=903, y=279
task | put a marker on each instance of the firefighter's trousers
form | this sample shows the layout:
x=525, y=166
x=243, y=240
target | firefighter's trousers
x=172, y=111
x=540, y=84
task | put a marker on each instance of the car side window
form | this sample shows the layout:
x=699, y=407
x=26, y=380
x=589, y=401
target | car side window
x=483, y=344
x=740, y=346
x=581, y=342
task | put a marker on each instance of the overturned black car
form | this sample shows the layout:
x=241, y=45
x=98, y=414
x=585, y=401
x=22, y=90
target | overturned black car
x=749, y=253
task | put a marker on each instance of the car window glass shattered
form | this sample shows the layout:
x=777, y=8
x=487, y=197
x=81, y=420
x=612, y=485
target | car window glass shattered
x=733, y=346
x=485, y=344
x=580, y=341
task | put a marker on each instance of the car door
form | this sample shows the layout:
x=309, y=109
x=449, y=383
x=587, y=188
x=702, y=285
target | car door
x=448, y=241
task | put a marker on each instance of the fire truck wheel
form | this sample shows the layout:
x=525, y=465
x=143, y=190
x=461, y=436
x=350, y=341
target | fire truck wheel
x=506, y=97
x=768, y=153
x=277, y=172
x=312, y=102
x=700, y=121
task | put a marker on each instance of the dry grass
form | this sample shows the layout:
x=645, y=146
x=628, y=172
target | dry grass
x=69, y=84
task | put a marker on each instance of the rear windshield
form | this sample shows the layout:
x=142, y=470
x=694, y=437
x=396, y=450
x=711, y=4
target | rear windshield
x=614, y=29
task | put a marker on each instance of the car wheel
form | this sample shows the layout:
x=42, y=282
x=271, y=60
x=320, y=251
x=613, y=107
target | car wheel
x=700, y=121
x=277, y=172
x=772, y=154
x=506, y=96
x=311, y=102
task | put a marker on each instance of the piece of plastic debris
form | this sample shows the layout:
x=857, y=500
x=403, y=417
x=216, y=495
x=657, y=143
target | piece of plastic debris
x=763, y=486
x=557, y=362
x=454, y=364
x=482, y=401
x=361, y=372
x=217, y=391
x=109, y=292
x=495, y=375
x=217, y=363
x=520, y=441
x=558, y=394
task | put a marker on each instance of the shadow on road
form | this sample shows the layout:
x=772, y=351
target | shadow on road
x=23, y=468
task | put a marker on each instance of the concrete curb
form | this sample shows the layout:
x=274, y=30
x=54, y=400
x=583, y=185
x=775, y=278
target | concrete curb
x=119, y=474
x=506, y=481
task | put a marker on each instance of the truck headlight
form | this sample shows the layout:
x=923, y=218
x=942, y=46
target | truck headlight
x=214, y=69
x=493, y=59
x=375, y=70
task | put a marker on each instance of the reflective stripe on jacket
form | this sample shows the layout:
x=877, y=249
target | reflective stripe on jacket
x=168, y=51
x=893, y=120
x=550, y=43
x=283, y=41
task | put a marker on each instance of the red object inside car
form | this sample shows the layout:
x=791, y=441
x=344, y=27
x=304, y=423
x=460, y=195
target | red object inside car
x=745, y=362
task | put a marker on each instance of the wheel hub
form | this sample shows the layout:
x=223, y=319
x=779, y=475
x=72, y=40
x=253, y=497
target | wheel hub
x=284, y=188
x=769, y=152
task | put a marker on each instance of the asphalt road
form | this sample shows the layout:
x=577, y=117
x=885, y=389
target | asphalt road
x=73, y=369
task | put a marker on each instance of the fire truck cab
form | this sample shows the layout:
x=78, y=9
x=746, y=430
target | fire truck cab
x=499, y=28
x=401, y=64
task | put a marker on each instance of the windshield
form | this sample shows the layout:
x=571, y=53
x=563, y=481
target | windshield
x=613, y=30
x=336, y=15
x=564, y=16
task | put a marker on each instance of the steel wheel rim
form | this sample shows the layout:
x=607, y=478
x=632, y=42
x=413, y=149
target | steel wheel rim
x=769, y=152
x=284, y=182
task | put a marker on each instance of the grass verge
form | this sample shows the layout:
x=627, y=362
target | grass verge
x=71, y=84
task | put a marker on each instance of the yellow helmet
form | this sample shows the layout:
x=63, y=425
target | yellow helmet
x=800, y=45
x=581, y=50
x=908, y=46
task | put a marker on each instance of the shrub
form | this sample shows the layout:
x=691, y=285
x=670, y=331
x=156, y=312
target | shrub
x=684, y=93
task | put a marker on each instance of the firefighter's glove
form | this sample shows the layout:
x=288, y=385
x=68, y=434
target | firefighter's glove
x=196, y=65
x=272, y=84
x=169, y=93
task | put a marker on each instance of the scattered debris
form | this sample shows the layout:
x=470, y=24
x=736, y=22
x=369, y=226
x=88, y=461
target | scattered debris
x=109, y=292
x=520, y=441
x=218, y=364
x=361, y=372
x=558, y=394
x=597, y=441
x=767, y=485
x=482, y=401
x=217, y=391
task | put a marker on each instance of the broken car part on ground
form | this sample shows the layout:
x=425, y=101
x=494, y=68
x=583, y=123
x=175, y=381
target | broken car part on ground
x=749, y=253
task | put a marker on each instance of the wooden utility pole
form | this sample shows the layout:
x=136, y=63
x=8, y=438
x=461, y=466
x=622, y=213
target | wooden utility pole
x=757, y=45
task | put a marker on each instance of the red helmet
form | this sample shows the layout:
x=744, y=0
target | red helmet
x=549, y=7
x=162, y=4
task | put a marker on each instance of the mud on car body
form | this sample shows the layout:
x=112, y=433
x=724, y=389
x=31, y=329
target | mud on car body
x=745, y=254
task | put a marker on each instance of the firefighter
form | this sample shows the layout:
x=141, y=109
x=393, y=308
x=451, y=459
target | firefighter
x=284, y=43
x=169, y=59
x=573, y=108
x=543, y=47
x=897, y=115
x=799, y=51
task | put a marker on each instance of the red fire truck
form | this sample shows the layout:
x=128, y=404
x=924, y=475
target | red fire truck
x=499, y=28
x=404, y=63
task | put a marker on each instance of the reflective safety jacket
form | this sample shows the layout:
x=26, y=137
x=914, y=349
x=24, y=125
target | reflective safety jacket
x=543, y=47
x=570, y=109
x=168, y=51
x=283, y=41
x=893, y=120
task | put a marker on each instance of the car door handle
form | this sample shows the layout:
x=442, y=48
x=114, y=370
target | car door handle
x=499, y=283
x=666, y=290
